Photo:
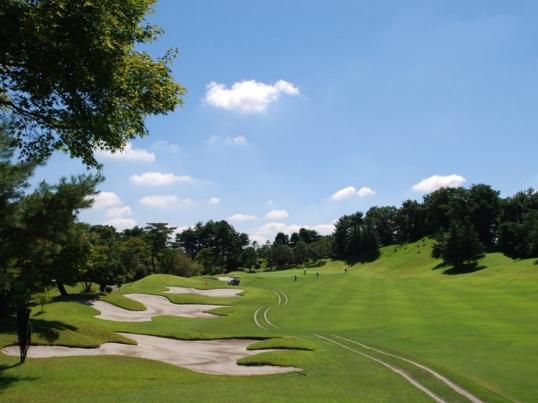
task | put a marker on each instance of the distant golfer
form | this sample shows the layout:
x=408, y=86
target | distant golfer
x=295, y=275
x=305, y=272
x=345, y=270
x=317, y=275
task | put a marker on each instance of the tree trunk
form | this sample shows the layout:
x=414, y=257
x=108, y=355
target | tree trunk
x=4, y=305
x=25, y=331
x=61, y=288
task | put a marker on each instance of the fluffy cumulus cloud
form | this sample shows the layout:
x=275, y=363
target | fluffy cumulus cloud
x=157, y=178
x=163, y=201
x=350, y=191
x=362, y=192
x=436, y=182
x=105, y=199
x=118, y=211
x=247, y=96
x=271, y=228
x=324, y=229
x=241, y=217
x=121, y=223
x=128, y=153
x=277, y=214
x=260, y=239
x=214, y=200
x=290, y=229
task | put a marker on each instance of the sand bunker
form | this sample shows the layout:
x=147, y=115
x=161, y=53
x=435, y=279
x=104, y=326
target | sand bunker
x=219, y=292
x=156, y=305
x=217, y=357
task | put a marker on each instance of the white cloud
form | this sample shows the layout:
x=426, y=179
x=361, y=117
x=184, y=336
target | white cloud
x=324, y=229
x=436, y=182
x=241, y=217
x=128, y=153
x=121, y=223
x=277, y=214
x=269, y=202
x=118, y=211
x=157, y=178
x=214, y=200
x=362, y=192
x=163, y=201
x=260, y=239
x=247, y=96
x=290, y=229
x=271, y=228
x=104, y=199
x=346, y=193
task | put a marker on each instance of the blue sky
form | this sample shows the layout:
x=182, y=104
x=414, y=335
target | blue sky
x=299, y=112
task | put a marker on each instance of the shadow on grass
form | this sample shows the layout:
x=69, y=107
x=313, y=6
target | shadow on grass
x=440, y=266
x=465, y=269
x=82, y=297
x=7, y=380
x=362, y=258
x=50, y=329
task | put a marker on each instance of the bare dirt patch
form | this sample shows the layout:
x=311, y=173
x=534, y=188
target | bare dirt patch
x=219, y=292
x=217, y=357
x=156, y=305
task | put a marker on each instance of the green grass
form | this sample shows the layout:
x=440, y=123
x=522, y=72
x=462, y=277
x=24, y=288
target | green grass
x=479, y=329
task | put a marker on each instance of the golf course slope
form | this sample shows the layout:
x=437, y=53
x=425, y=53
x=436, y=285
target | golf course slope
x=371, y=334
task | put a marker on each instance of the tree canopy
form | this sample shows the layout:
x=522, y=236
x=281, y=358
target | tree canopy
x=72, y=76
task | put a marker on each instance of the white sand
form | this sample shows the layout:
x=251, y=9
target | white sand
x=219, y=292
x=156, y=305
x=216, y=357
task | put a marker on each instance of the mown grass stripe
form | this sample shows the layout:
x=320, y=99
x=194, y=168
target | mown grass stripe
x=394, y=369
x=450, y=384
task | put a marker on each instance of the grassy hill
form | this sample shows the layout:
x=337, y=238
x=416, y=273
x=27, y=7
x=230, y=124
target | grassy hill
x=479, y=329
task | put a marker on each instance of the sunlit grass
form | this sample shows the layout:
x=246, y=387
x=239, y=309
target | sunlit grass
x=479, y=329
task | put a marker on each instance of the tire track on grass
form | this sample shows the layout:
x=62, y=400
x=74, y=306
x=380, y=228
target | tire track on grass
x=267, y=320
x=278, y=295
x=280, y=299
x=450, y=384
x=256, y=318
x=394, y=369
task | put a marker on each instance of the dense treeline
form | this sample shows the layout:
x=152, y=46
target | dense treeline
x=477, y=218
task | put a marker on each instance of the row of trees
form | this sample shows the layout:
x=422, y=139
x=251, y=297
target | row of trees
x=477, y=217
x=299, y=249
